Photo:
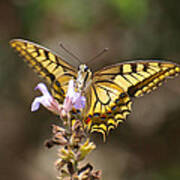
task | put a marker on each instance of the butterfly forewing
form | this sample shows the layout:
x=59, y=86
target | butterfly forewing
x=139, y=77
x=47, y=64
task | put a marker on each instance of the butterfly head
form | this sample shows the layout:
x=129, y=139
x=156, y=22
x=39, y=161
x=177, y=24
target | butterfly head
x=84, y=77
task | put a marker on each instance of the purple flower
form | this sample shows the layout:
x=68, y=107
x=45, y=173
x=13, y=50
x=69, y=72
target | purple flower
x=73, y=99
x=46, y=100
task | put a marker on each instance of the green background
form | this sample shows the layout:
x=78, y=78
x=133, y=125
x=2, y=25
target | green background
x=147, y=146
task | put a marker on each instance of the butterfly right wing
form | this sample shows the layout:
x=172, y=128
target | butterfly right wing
x=113, y=87
x=48, y=65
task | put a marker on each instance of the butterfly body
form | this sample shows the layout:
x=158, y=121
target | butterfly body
x=84, y=78
x=108, y=91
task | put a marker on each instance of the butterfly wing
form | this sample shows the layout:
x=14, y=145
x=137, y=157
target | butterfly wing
x=108, y=105
x=139, y=77
x=47, y=64
x=113, y=87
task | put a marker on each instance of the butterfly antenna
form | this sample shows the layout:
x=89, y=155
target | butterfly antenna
x=99, y=54
x=70, y=53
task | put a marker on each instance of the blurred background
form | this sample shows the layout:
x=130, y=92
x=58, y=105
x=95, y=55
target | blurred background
x=147, y=146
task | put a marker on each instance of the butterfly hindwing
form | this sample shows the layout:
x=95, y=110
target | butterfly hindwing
x=47, y=64
x=108, y=106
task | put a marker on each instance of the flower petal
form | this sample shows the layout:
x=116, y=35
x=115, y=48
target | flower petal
x=80, y=102
x=42, y=87
x=36, y=103
x=70, y=91
x=46, y=100
x=73, y=98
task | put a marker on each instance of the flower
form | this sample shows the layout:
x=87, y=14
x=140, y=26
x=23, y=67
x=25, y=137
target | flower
x=46, y=100
x=73, y=99
x=85, y=149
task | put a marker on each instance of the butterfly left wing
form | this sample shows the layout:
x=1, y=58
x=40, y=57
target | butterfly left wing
x=109, y=99
x=47, y=64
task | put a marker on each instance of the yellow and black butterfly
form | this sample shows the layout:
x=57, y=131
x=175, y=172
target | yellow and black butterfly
x=108, y=91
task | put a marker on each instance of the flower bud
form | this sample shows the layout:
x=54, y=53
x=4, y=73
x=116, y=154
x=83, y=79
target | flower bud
x=85, y=149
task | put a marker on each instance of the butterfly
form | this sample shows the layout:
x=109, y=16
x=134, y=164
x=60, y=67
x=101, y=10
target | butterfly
x=108, y=91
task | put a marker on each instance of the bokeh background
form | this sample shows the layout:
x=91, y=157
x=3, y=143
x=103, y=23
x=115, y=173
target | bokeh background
x=147, y=146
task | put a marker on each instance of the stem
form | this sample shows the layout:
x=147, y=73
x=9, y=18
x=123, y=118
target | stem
x=74, y=147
